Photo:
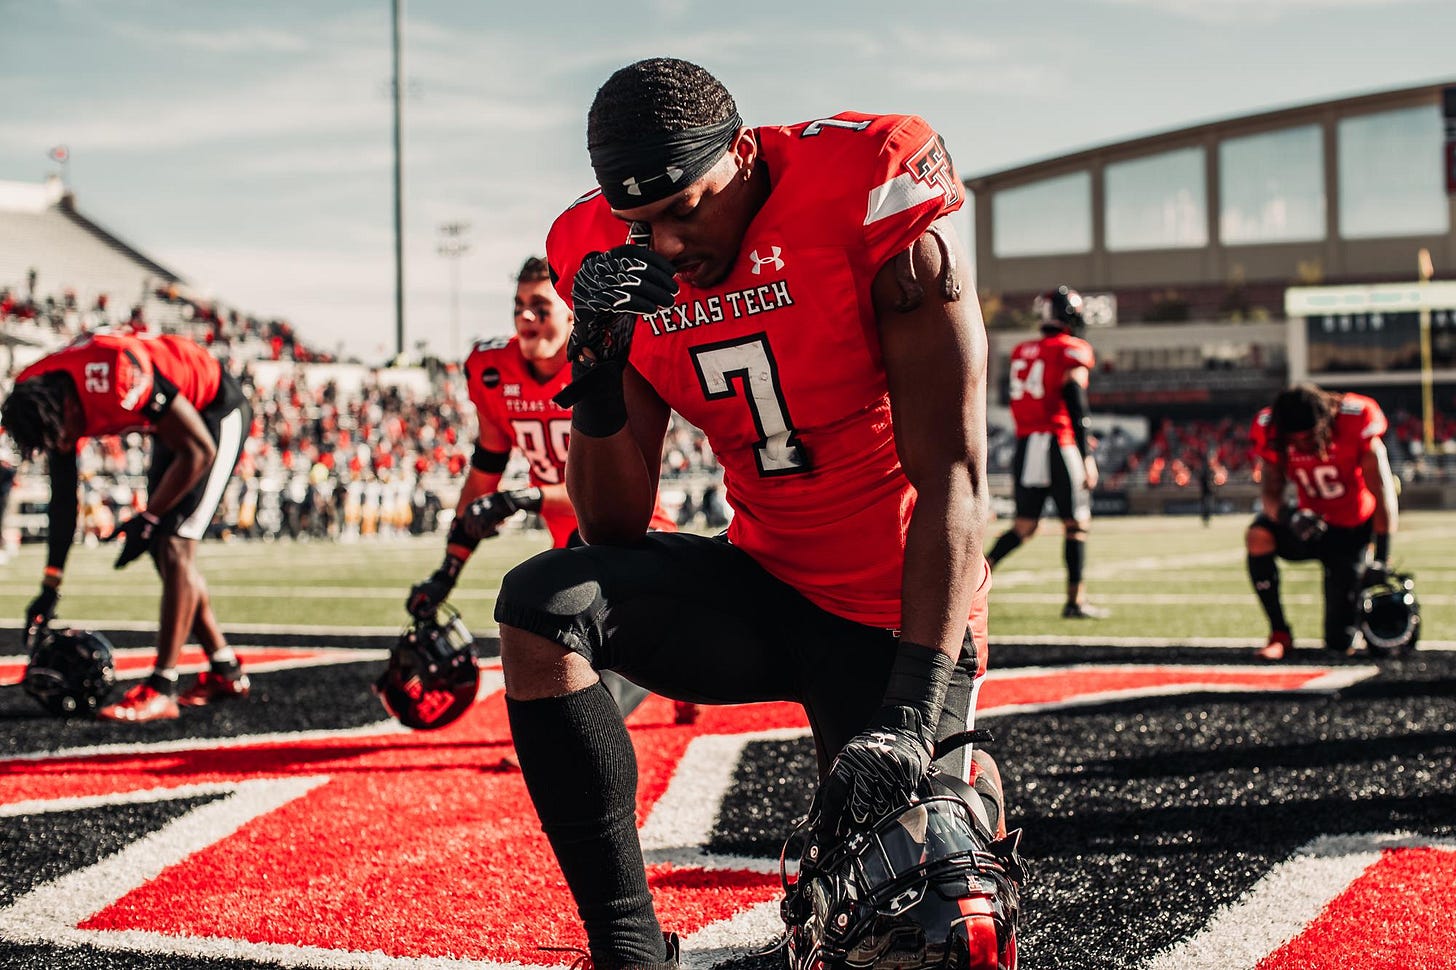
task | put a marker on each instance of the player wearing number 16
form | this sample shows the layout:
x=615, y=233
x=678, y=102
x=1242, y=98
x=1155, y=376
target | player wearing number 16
x=1327, y=446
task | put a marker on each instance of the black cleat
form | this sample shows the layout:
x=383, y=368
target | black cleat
x=1084, y=611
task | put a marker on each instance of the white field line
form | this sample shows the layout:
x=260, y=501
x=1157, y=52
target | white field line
x=1284, y=902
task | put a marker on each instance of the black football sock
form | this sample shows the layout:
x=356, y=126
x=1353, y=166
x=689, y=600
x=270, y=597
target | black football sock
x=163, y=681
x=1264, y=573
x=581, y=771
x=1004, y=546
x=1075, y=552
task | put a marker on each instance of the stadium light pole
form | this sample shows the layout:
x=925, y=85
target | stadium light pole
x=397, y=8
x=1424, y=271
x=454, y=245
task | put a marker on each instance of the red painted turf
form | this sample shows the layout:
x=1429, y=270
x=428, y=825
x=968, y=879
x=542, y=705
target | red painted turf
x=409, y=824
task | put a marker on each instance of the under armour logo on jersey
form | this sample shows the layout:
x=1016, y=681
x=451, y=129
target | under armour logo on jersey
x=772, y=259
x=634, y=187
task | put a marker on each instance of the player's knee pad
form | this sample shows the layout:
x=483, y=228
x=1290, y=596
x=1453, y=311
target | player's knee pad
x=556, y=595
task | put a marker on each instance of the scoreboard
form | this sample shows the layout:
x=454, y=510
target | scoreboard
x=1370, y=331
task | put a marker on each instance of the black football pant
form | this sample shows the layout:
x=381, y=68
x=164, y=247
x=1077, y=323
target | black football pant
x=695, y=619
x=1342, y=551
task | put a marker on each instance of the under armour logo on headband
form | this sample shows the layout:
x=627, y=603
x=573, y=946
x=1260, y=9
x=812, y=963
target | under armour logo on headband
x=634, y=187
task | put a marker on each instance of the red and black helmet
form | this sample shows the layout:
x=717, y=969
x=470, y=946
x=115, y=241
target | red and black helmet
x=1060, y=309
x=432, y=678
x=925, y=888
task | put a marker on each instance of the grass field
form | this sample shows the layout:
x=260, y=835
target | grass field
x=1166, y=577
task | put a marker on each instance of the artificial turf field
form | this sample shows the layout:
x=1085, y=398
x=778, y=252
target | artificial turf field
x=1183, y=807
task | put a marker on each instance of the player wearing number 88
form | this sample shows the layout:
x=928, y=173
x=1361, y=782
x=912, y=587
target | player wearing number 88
x=511, y=382
x=1327, y=447
x=1048, y=380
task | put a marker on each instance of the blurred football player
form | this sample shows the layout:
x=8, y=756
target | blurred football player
x=172, y=389
x=796, y=293
x=1048, y=378
x=1327, y=445
x=511, y=381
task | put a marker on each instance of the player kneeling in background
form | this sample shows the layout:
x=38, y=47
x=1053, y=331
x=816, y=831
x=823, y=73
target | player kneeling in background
x=511, y=381
x=1328, y=445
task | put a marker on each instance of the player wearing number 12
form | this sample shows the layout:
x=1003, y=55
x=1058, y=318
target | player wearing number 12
x=1048, y=389
x=1328, y=446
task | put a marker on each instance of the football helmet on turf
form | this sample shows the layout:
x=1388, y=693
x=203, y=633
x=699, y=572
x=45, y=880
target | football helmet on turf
x=431, y=679
x=70, y=671
x=924, y=887
x=1390, y=614
x=1060, y=309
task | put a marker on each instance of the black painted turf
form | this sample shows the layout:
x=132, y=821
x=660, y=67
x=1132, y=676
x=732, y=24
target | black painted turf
x=1141, y=818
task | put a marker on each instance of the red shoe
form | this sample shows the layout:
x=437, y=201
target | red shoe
x=685, y=713
x=212, y=686
x=1280, y=643
x=142, y=703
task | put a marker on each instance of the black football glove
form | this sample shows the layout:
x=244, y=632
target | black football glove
x=1306, y=526
x=425, y=597
x=136, y=534
x=610, y=291
x=41, y=610
x=875, y=773
x=1376, y=572
x=482, y=518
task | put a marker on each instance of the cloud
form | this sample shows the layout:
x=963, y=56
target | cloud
x=1251, y=11
x=249, y=40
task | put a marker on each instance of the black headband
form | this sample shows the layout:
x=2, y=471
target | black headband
x=649, y=170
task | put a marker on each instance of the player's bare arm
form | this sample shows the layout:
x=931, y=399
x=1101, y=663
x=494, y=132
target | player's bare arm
x=1271, y=490
x=1376, y=466
x=613, y=480
x=183, y=430
x=494, y=441
x=935, y=361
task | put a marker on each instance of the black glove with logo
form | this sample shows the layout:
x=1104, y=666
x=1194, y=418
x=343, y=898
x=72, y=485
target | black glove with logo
x=482, y=518
x=610, y=291
x=425, y=597
x=878, y=770
x=41, y=610
x=1306, y=526
x=136, y=534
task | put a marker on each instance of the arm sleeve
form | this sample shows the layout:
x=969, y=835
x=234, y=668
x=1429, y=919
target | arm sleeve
x=490, y=462
x=1075, y=395
x=61, y=511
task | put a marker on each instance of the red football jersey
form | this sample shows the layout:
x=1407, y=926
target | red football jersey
x=507, y=395
x=1331, y=485
x=780, y=364
x=113, y=373
x=1037, y=370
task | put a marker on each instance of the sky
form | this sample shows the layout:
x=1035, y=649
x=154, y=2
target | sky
x=247, y=146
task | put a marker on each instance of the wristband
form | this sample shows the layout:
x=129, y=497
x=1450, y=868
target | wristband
x=459, y=543
x=920, y=679
x=51, y=576
x=601, y=410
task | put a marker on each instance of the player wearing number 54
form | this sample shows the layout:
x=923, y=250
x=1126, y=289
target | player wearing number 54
x=1327, y=446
